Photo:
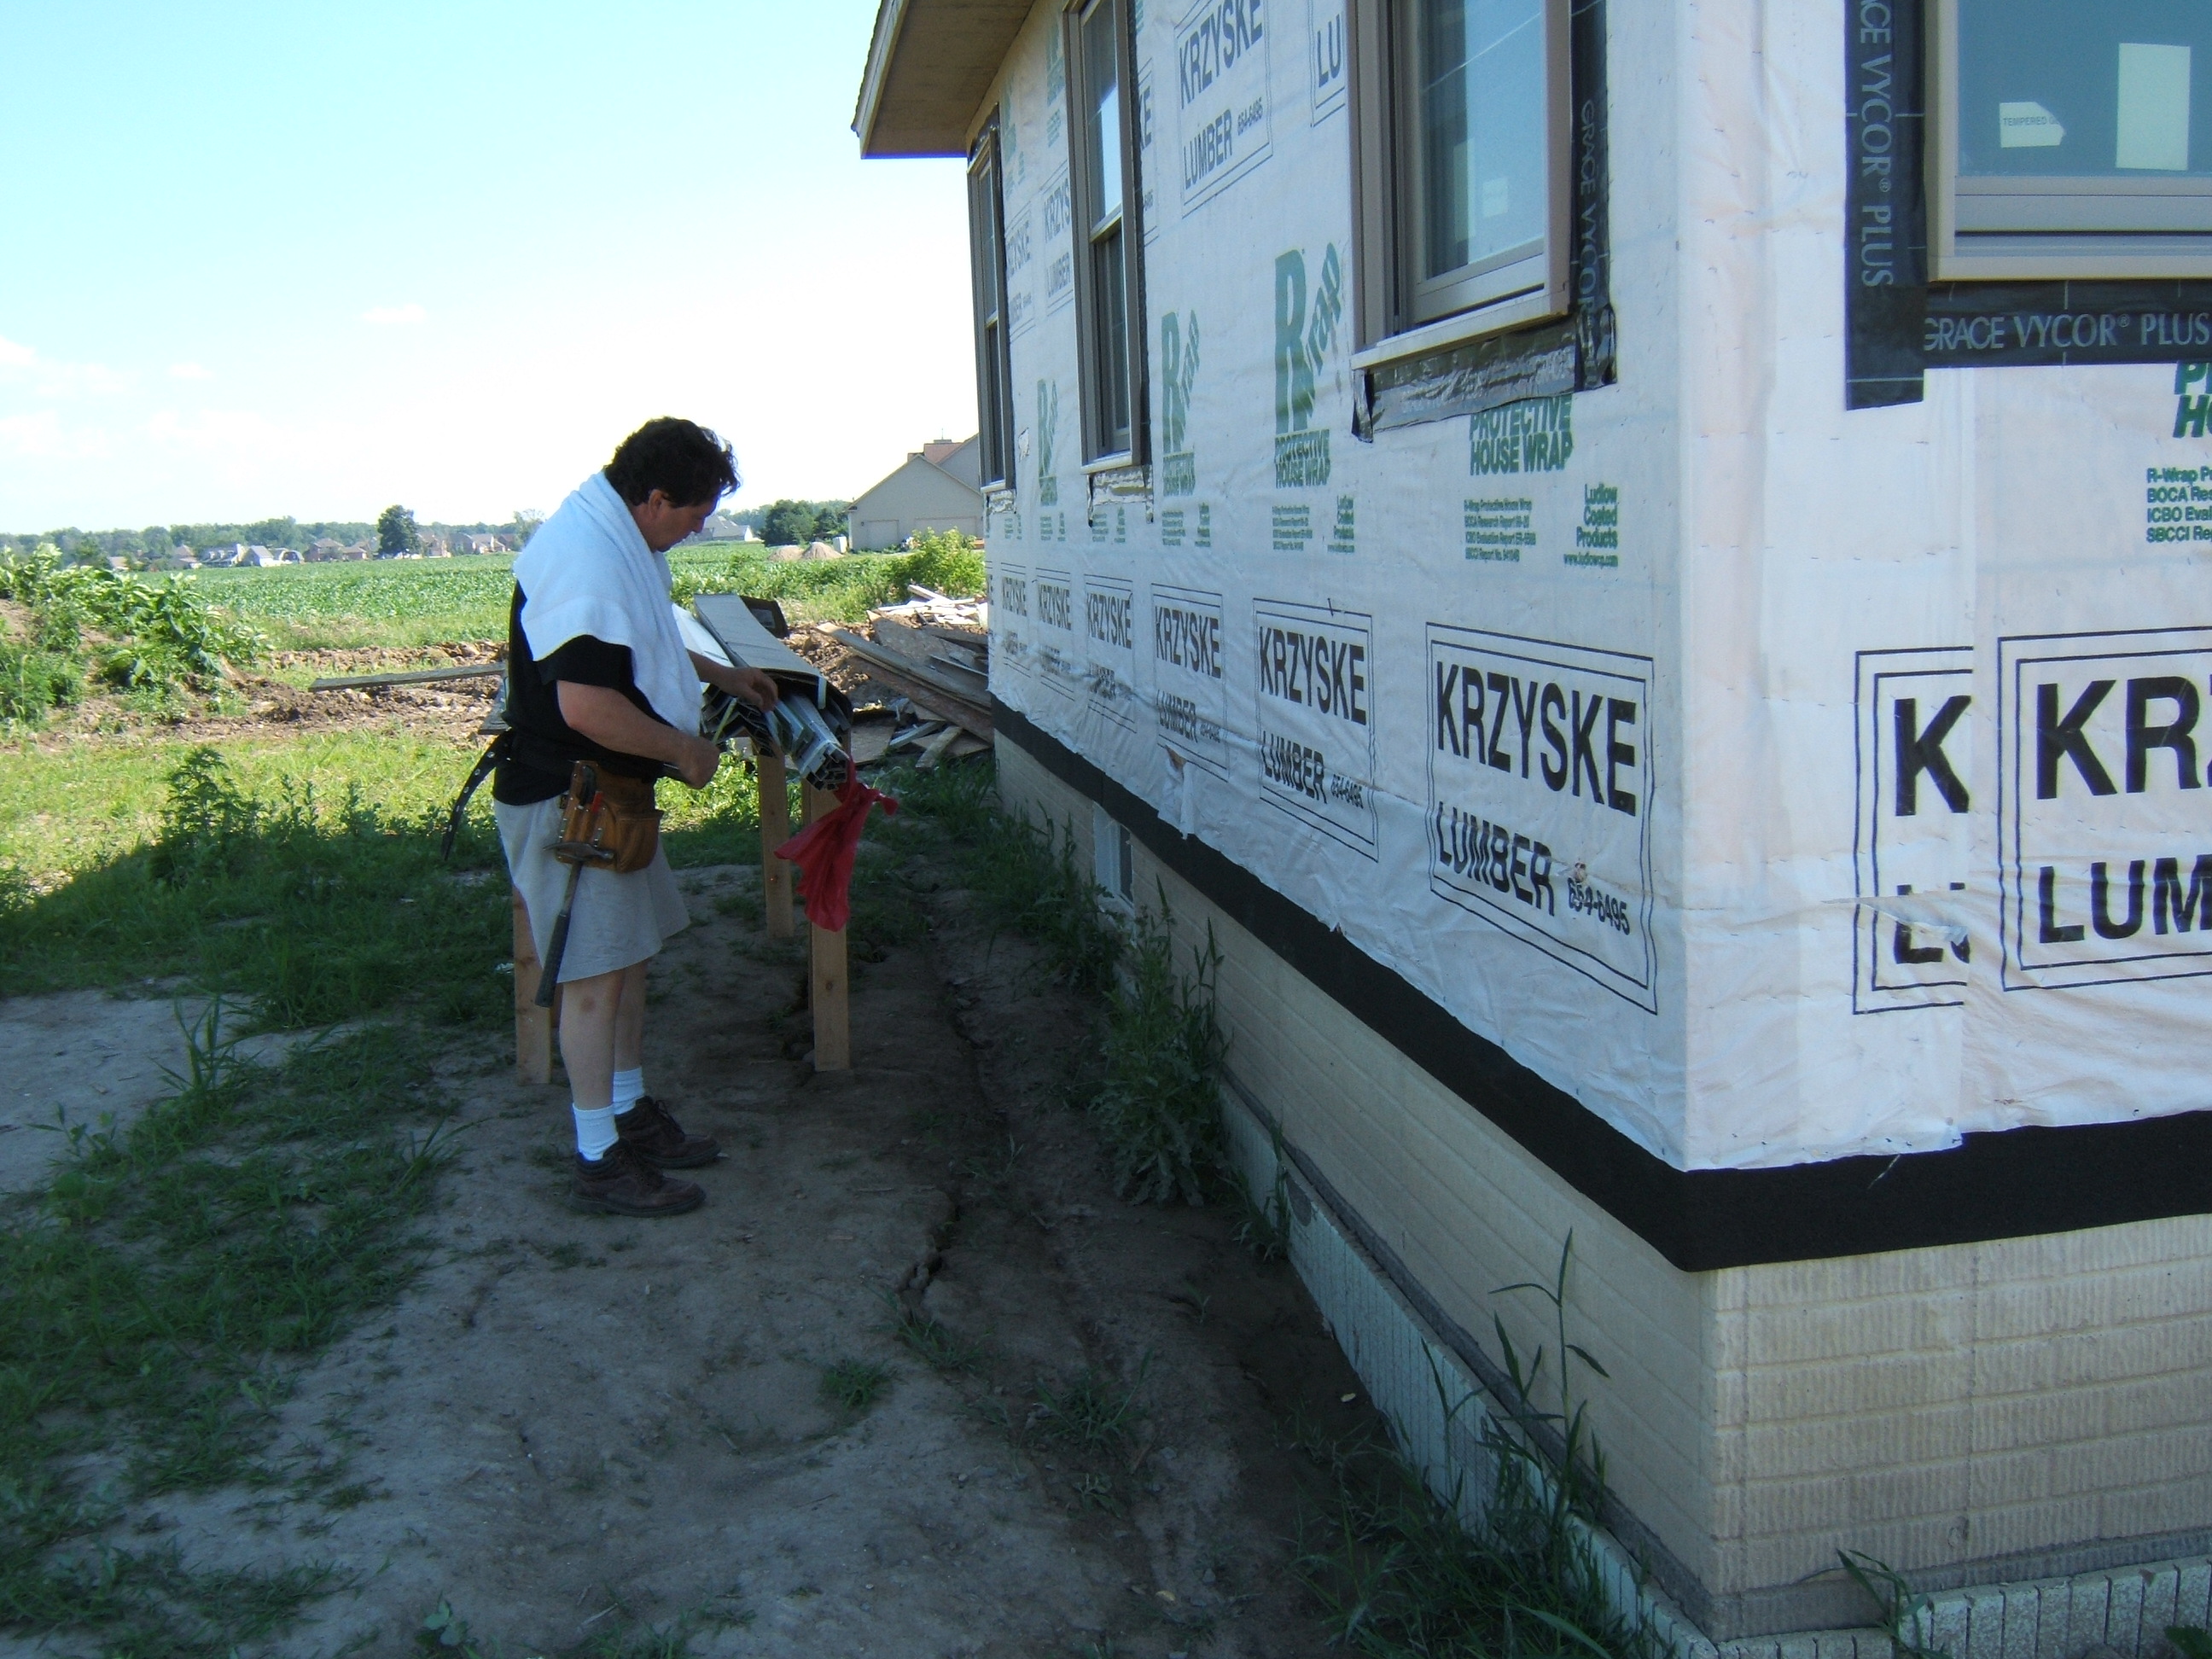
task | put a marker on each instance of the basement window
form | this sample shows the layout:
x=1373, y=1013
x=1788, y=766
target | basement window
x=994, y=368
x=1463, y=149
x=1108, y=240
x=2071, y=140
x=1114, y=861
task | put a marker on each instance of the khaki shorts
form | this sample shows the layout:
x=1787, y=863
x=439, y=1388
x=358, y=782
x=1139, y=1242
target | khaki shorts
x=618, y=920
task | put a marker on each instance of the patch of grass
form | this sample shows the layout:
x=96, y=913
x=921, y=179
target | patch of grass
x=1159, y=1103
x=287, y=898
x=930, y=1340
x=833, y=589
x=855, y=1385
x=155, y=1301
x=1401, y=1571
x=1028, y=876
x=1092, y=1413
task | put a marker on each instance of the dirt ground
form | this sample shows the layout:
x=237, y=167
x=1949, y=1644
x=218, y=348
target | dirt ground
x=577, y=1428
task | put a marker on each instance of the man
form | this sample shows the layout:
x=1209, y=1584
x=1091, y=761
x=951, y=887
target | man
x=598, y=671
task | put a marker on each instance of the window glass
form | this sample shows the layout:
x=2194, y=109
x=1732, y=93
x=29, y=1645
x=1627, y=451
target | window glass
x=1481, y=69
x=1102, y=70
x=1109, y=284
x=2085, y=88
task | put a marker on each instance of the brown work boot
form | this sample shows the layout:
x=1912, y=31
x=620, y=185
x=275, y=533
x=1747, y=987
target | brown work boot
x=624, y=1183
x=651, y=1130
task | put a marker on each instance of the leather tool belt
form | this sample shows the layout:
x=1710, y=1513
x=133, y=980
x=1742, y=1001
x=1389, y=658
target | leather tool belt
x=608, y=820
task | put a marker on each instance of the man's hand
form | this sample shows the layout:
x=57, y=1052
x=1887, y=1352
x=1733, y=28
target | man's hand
x=613, y=721
x=755, y=687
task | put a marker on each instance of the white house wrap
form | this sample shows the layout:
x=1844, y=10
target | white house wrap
x=1731, y=765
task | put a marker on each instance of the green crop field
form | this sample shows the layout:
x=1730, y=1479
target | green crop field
x=414, y=602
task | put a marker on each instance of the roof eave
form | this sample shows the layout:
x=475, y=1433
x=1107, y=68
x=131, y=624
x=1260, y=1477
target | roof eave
x=931, y=66
x=890, y=17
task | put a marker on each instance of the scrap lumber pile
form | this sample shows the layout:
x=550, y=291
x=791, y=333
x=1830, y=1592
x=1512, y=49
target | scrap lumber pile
x=927, y=664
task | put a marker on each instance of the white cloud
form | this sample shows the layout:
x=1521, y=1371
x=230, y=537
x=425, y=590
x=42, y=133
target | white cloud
x=190, y=372
x=22, y=365
x=384, y=315
x=40, y=435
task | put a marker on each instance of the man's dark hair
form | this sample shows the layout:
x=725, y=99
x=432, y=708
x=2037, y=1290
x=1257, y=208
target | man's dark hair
x=681, y=458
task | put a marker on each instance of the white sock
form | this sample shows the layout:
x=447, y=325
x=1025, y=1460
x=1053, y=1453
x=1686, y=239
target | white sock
x=628, y=1087
x=595, y=1131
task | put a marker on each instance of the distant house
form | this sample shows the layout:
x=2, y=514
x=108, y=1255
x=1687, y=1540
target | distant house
x=939, y=487
x=324, y=549
x=475, y=542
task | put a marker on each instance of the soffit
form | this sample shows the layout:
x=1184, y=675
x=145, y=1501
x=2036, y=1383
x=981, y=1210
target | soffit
x=930, y=65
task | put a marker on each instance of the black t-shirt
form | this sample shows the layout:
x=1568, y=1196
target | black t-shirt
x=547, y=743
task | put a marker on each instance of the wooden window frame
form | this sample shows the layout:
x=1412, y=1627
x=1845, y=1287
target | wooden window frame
x=1101, y=451
x=2040, y=245
x=994, y=360
x=1390, y=318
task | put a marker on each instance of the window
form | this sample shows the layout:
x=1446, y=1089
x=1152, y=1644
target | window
x=1461, y=166
x=1108, y=274
x=2071, y=140
x=1114, y=859
x=994, y=370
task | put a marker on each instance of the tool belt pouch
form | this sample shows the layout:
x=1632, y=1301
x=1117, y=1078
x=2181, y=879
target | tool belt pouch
x=618, y=820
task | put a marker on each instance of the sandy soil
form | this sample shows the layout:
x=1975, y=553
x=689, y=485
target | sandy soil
x=90, y=1058
x=575, y=1426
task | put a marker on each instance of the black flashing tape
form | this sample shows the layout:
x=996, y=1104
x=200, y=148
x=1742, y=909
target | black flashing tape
x=2019, y=1183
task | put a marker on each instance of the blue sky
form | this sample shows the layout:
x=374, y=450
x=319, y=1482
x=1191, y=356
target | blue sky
x=268, y=259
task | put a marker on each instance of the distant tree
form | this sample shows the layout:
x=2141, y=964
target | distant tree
x=396, y=532
x=787, y=521
x=829, y=520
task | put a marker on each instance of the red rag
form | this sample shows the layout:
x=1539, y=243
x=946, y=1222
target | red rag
x=823, y=851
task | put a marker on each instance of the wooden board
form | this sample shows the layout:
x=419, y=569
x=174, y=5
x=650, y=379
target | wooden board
x=828, y=984
x=410, y=676
x=928, y=690
x=775, y=829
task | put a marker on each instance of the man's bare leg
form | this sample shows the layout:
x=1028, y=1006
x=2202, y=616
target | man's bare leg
x=603, y=1023
x=629, y=1020
x=590, y=1039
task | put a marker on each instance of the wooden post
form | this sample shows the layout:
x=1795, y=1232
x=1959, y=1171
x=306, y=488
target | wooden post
x=775, y=829
x=826, y=983
x=533, y=1025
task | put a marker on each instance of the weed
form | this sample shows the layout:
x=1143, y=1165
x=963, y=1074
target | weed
x=1906, y=1615
x=996, y=1171
x=1159, y=1105
x=928, y=1340
x=1090, y=1413
x=1095, y=1491
x=1264, y=1228
x=2190, y=1641
x=154, y=641
x=444, y=1631
x=855, y=1385
x=646, y=1641
x=1399, y=1572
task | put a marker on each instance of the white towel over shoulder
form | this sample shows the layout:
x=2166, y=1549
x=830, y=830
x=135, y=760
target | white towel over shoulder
x=587, y=571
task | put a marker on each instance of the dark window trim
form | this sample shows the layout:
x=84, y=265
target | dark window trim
x=1082, y=215
x=994, y=416
x=1897, y=324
